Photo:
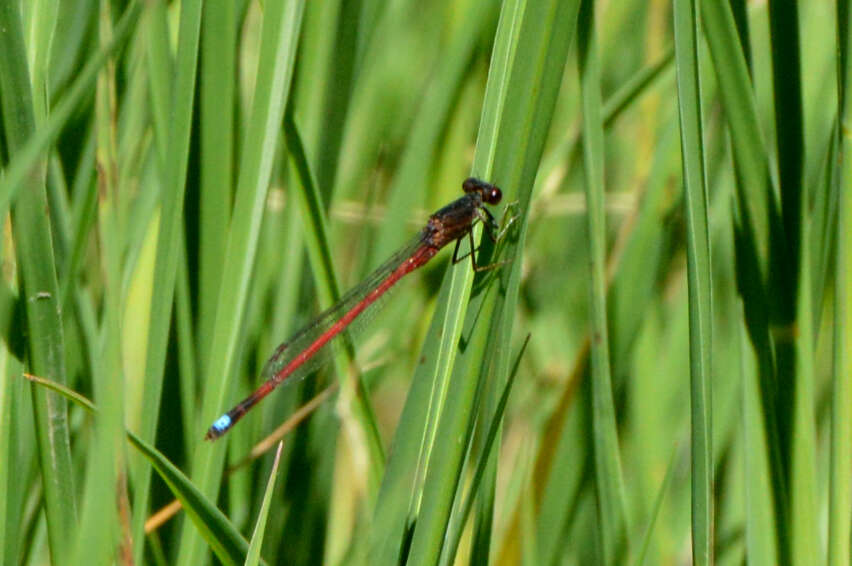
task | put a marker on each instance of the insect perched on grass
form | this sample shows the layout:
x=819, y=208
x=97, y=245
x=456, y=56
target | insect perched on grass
x=301, y=354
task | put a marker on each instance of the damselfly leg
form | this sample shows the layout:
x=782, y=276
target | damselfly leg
x=496, y=233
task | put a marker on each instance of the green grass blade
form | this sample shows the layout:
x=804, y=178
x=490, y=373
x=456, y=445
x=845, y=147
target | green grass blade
x=609, y=482
x=526, y=71
x=253, y=555
x=33, y=150
x=792, y=335
x=99, y=531
x=226, y=541
x=454, y=531
x=803, y=486
x=761, y=547
x=698, y=273
x=161, y=72
x=754, y=191
x=175, y=158
x=278, y=48
x=40, y=288
x=756, y=210
x=42, y=27
x=14, y=460
x=218, y=60
x=839, y=488
x=824, y=222
x=638, y=85
x=398, y=498
x=787, y=93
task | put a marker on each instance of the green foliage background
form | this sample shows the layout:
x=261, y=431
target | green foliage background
x=657, y=374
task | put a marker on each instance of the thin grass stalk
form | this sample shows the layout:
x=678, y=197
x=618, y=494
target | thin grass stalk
x=256, y=543
x=754, y=191
x=40, y=289
x=698, y=276
x=16, y=456
x=609, y=482
x=760, y=529
x=218, y=93
x=486, y=460
x=803, y=487
x=789, y=137
x=839, y=488
x=788, y=233
x=42, y=15
x=755, y=211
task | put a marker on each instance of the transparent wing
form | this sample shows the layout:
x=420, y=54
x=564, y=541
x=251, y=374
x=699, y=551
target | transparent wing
x=310, y=347
x=288, y=351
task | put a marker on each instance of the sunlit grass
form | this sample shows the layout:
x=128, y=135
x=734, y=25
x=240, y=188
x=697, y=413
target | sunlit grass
x=185, y=184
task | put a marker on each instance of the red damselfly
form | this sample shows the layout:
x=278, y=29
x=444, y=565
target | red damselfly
x=301, y=355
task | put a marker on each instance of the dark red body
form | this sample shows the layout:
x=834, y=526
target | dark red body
x=447, y=225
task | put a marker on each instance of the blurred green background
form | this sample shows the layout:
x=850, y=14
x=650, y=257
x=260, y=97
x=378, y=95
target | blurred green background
x=657, y=374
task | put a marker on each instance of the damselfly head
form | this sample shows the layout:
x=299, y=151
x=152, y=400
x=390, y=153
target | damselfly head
x=489, y=193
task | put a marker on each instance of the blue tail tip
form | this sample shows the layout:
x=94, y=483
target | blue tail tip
x=222, y=423
x=219, y=427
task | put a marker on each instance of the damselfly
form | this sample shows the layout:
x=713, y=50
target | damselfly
x=300, y=355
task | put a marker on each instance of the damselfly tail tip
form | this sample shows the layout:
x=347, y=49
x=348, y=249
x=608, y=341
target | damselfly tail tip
x=218, y=428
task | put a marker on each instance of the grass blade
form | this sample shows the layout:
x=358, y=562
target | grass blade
x=40, y=288
x=100, y=527
x=218, y=31
x=226, y=541
x=455, y=530
x=609, y=482
x=278, y=48
x=761, y=547
x=28, y=155
x=179, y=271
x=839, y=488
x=698, y=272
x=754, y=192
x=253, y=555
x=175, y=163
x=803, y=487
x=526, y=71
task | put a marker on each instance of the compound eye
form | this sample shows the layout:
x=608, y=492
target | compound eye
x=493, y=195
